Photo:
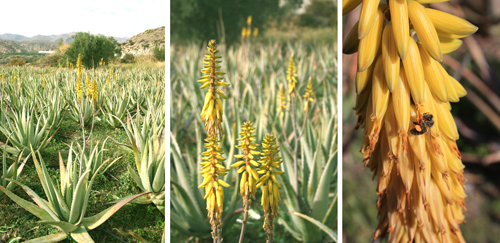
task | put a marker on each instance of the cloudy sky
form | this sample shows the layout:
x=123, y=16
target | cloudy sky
x=124, y=18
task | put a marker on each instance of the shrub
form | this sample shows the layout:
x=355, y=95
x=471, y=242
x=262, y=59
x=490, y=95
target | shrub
x=92, y=48
x=159, y=53
x=17, y=62
x=128, y=58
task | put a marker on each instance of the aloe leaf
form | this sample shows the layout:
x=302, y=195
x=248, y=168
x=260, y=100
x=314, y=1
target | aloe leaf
x=78, y=198
x=64, y=226
x=47, y=184
x=135, y=177
x=81, y=235
x=49, y=238
x=96, y=220
x=38, y=200
x=30, y=207
x=321, y=199
x=323, y=227
x=318, y=160
x=159, y=178
x=196, y=219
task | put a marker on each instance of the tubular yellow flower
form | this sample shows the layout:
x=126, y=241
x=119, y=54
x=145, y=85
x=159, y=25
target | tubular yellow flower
x=255, y=32
x=308, y=96
x=270, y=186
x=282, y=100
x=214, y=194
x=249, y=20
x=249, y=175
x=212, y=79
x=291, y=73
x=403, y=106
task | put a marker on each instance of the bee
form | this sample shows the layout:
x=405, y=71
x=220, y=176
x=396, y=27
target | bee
x=421, y=127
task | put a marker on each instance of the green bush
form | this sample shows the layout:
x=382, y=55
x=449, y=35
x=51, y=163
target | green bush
x=159, y=53
x=128, y=58
x=92, y=48
x=17, y=62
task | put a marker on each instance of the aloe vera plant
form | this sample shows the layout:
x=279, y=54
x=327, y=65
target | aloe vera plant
x=23, y=130
x=10, y=172
x=148, y=146
x=115, y=108
x=66, y=205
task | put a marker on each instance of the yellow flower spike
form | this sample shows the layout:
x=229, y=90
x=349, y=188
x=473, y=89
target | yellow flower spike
x=248, y=134
x=270, y=196
x=349, y=5
x=369, y=46
x=213, y=192
x=291, y=74
x=391, y=61
x=367, y=17
x=414, y=72
x=425, y=29
x=308, y=96
x=94, y=92
x=449, y=23
x=249, y=20
x=400, y=26
x=433, y=75
x=212, y=112
x=79, y=74
x=351, y=42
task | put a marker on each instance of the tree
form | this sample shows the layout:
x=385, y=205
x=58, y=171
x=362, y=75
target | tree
x=92, y=48
x=60, y=43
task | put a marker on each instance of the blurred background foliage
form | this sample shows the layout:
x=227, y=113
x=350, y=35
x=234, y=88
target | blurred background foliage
x=476, y=64
x=197, y=20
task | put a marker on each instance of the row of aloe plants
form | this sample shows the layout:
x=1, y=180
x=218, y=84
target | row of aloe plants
x=302, y=121
x=31, y=111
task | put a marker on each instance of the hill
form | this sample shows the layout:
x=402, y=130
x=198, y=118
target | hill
x=144, y=42
x=9, y=46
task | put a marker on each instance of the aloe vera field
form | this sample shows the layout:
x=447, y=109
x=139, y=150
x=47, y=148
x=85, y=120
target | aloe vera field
x=273, y=109
x=82, y=153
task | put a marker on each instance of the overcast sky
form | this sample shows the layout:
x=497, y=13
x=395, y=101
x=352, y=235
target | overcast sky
x=124, y=18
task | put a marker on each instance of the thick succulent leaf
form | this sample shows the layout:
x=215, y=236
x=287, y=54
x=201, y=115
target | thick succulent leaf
x=159, y=178
x=81, y=235
x=47, y=184
x=32, y=208
x=49, y=238
x=321, y=199
x=79, y=198
x=135, y=177
x=323, y=227
x=64, y=226
x=96, y=220
x=38, y=200
x=194, y=219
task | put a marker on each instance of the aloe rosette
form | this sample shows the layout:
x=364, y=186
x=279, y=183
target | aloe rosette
x=66, y=204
